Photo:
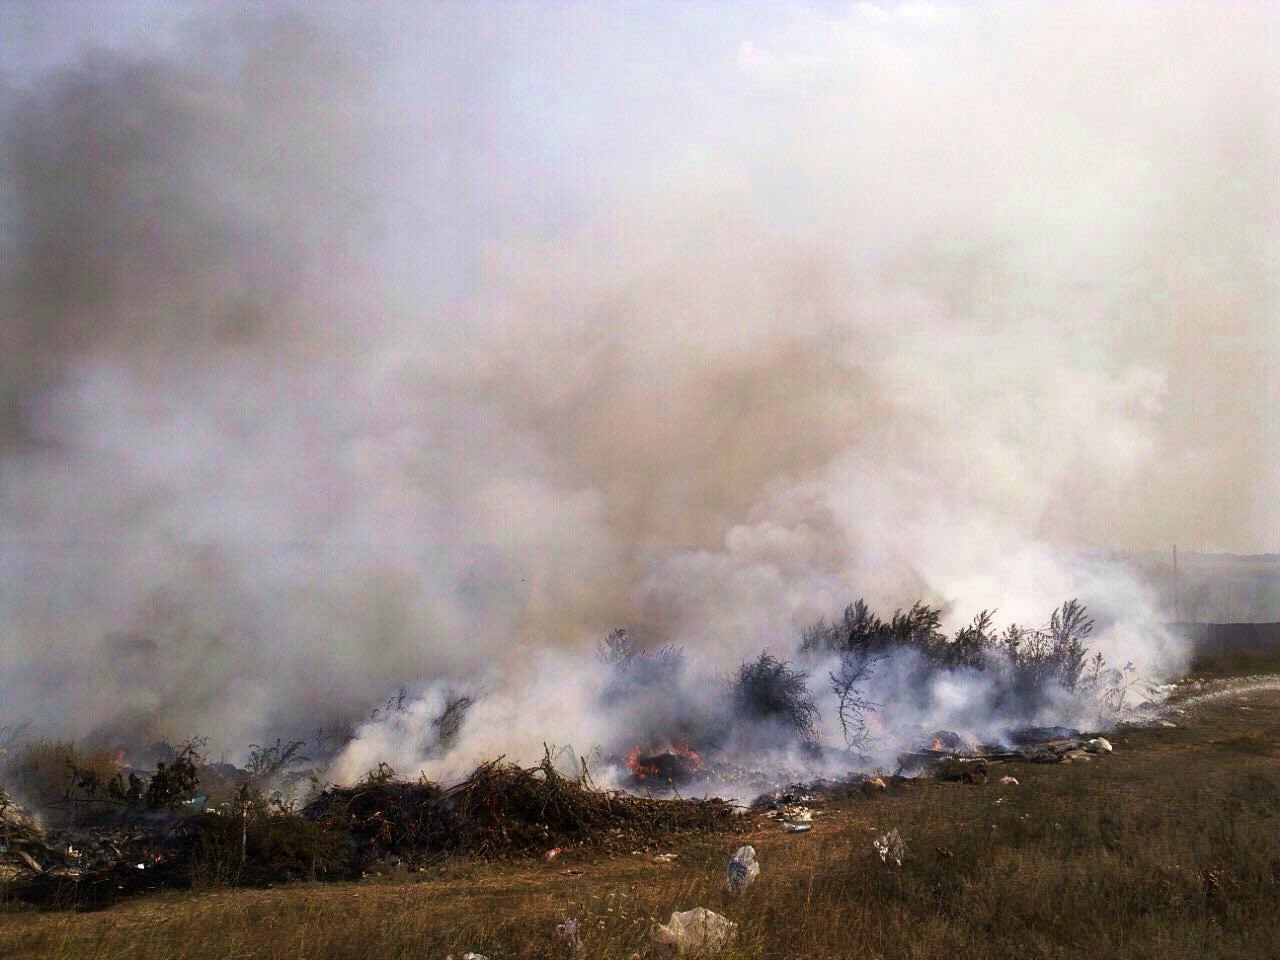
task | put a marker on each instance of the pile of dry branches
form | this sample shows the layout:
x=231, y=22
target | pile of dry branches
x=506, y=810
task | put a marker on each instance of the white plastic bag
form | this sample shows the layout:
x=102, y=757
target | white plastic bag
x=695, y=930
x=891, y=847
x=742, y=869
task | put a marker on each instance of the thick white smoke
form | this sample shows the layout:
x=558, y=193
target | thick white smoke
x=341, y=356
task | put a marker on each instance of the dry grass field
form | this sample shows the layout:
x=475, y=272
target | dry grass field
x=1166, y=848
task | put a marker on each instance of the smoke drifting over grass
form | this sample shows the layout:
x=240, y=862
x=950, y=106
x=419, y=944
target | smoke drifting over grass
x=341, y=355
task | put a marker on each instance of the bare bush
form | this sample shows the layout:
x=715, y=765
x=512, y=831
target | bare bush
x=44, y=771
x=860, y=631
x=449, y=723
x=633, y=665
x=267, y=763
x=11, y=735
x=852, y=706
x=1022, y=664
x=172, y=783
x=1054, y=653
x=768, y=689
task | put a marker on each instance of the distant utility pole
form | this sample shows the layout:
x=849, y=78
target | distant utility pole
x=1177, y=599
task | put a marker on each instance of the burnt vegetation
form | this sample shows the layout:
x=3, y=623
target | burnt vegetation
x=767, y=690
x=212, y=823
x=635, y=666
x=1124, y=857
x=1024, y=665
x=503, y=809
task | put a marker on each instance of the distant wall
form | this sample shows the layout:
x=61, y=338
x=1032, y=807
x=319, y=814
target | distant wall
x=1218, y=637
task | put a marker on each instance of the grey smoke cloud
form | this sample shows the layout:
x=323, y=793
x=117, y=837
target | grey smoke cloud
x=343, y=355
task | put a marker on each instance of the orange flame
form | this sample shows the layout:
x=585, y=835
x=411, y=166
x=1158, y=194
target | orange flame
x=650, y=769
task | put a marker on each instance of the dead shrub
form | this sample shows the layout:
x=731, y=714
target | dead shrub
x=260, y=847
x=768, y=690
x=43, y=771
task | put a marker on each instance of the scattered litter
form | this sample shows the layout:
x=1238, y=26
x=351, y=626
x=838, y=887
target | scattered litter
x=572, y=873
x=1099, y=745
x=1167, y=723
x=792, y=813
x=797, y=827
x=695, y=930
x=664, y=857
x=469, y=956
x=891, y=847
x=742, y=869
x=1008, y=781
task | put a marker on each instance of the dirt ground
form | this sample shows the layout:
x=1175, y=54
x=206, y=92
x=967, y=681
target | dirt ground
x=1166, y=848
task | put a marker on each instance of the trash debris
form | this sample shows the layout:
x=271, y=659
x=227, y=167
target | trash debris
x=696, y=930
x=664, y=857
x=469, y=956
x=742, y=869
x=1008, y=781
x=1167, y=723
x=891, y=847
x=572, y=873
x=948, y=754
x=797, y=827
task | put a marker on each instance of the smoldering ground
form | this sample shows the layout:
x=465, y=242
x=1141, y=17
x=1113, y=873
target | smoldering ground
x=344, y=354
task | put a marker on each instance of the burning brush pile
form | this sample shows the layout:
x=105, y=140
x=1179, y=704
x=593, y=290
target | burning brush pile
x=159, y=839
x=677, y=733
x=502, y=810
x=768, y=723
